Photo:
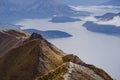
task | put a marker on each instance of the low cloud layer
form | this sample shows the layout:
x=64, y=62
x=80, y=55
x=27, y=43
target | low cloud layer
x=97, y=10
x=115, y=21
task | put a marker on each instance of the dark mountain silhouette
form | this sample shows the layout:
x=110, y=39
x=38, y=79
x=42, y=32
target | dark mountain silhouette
x=50, y=34
x=7, y=26
x=106, y=29
x=15, y=10
x=108, y=16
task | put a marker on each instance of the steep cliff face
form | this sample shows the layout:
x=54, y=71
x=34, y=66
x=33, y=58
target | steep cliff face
x=37, y=59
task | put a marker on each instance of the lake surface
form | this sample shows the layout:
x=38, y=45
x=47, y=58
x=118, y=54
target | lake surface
x=94, y=48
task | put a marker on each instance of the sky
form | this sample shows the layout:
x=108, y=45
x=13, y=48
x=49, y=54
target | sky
x=22, y=2
x=84, y=2
x=70, y=2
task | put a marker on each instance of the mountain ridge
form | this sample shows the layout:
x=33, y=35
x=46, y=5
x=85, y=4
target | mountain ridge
x=38, y=59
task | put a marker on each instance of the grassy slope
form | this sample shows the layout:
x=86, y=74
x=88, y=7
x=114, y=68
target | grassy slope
x=10, y=39
x=20, y=63
x=35, y=57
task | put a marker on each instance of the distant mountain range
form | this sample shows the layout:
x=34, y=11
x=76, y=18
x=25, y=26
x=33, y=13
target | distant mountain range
x=7, y=26
x=63, y=19
x=15, y=9
x=106, y=29
x=108, y=16
x=50, y=34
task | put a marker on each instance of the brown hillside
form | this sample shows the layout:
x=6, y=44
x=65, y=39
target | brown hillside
x=50, y=56
x=34, y=58
x=20, y=63
x=10, y=39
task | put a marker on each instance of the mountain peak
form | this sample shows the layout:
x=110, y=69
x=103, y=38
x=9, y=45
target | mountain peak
x=36, y=35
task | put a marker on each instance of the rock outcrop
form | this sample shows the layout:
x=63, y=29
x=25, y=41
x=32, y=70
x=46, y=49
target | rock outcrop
x=72, y=58
x=72, y=71
x=37, y=59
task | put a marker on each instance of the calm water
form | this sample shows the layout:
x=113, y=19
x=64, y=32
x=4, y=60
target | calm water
x=93, y=48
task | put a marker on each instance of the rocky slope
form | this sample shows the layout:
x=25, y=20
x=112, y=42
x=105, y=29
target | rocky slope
x=72, y=71
x=37, y=59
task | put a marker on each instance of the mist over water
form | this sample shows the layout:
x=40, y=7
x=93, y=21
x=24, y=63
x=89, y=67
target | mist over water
x=98, y=10
x=94, y=48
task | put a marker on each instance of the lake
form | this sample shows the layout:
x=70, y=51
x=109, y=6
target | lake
x=94, y=48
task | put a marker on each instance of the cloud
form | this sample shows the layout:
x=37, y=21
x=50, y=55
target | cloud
x=115, y=21
x=90, y=18
x=99, y=10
